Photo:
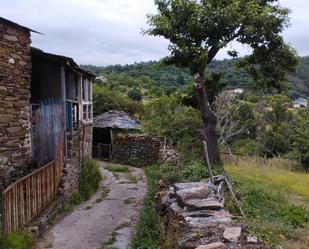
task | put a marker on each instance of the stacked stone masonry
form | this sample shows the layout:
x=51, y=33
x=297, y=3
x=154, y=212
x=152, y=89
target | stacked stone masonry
x=15, y=78
x=135, y=149
x=78, y=147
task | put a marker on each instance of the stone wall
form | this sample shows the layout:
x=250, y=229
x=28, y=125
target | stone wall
x=87, y=145
x=135, y=149
x=78, y=147
x=15, y=81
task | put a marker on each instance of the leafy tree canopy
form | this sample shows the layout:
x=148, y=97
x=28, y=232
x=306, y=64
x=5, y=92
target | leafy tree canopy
x=198, y=29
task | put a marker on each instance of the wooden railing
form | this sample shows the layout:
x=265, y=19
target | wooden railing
x=23, y=200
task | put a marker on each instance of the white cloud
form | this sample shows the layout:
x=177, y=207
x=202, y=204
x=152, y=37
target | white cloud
x=106, y=32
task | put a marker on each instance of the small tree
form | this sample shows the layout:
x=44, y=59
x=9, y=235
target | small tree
x=199, y=29
x=135, y=94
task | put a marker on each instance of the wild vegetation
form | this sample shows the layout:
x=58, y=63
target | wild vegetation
x=259, y=123
x=22, y=240
x=155, y=80
x=275, y=201
x=88, y=184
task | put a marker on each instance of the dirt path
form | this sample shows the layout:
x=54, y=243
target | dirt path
x=107, y=223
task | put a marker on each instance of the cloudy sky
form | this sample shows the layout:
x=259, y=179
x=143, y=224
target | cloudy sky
x=104, y=32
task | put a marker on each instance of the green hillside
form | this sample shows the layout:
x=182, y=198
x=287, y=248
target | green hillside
x=149, y=76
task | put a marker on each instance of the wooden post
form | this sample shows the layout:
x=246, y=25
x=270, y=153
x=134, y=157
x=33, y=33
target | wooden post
x=208, y=162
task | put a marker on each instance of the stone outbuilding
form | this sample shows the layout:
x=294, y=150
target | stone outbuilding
x=42, y=96
x=119, y=137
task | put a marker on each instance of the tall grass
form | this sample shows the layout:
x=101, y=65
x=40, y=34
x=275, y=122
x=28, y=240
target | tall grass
x=275, y=200
x=147, y=235
x=89, y=179
x=17, y=241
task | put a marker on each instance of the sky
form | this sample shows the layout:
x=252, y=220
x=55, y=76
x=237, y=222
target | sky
x=106, y=32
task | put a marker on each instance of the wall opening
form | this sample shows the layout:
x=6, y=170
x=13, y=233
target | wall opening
x=102, y=143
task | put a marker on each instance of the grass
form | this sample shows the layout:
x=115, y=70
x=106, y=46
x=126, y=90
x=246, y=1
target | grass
x=88, y=184
x=147, y=234
x=276, y=202
x=89, y=180
x=118, y=169
x=17, y=241
x=107, y=244
x=110, y=241
x=132, y=179
x=129, y=200
x=103, y=196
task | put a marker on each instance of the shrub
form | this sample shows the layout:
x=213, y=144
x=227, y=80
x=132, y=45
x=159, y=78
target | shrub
x=17, y=241
x=89, y=180
x=195, y=171
x=246, y=146
x=135, y=94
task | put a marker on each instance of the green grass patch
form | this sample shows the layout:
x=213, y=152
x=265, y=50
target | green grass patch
x=88, y=184
x=106, y=244
x=121, y=226
x=103, y=196
x=275, y=202
x=118, y=169
x=17, y=241
x=147, y=234
x=89, y=180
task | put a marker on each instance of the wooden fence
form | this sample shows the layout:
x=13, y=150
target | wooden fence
x=26, y=198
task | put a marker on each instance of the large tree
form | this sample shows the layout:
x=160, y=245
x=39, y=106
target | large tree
x=199, y=29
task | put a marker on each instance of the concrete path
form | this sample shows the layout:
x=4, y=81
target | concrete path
x=98, y=224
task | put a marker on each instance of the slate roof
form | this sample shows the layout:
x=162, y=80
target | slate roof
x=116, y=120
x=14, y=24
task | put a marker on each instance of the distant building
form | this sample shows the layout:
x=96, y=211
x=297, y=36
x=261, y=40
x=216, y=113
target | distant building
x=235, y=92
x=238, y=91
x=101, y=78
x=118, y=136
x=300, y=102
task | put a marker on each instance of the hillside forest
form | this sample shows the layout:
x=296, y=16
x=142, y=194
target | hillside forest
x=250, y=122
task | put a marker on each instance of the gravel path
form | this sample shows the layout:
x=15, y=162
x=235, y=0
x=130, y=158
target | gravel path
x=102, y=224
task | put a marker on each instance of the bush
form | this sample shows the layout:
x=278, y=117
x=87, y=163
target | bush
x=89, y=180
x=246, y=146
x=167, y=117
x=17, y=241
x=135, y=94
x=195, y=171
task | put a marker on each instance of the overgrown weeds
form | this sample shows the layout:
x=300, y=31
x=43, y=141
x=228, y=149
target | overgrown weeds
x=118, y=169
x=89, y=180
x=188, y=171
x=147, y=235
x=22, y=240
x=88, y=184
x=150, y=232
x=275, y=202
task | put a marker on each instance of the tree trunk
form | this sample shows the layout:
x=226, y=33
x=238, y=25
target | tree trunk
x=209, y=121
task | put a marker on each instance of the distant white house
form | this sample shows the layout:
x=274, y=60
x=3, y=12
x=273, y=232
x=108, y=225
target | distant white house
x=300, y=102
x=238, y=91
x=101, y=77
x=235, y=92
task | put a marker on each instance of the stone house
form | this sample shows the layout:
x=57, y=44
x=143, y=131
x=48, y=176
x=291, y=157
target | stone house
x=118, y=137
x=42, y=96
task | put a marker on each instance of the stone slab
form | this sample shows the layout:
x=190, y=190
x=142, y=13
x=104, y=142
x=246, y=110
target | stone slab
x=232, y=233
